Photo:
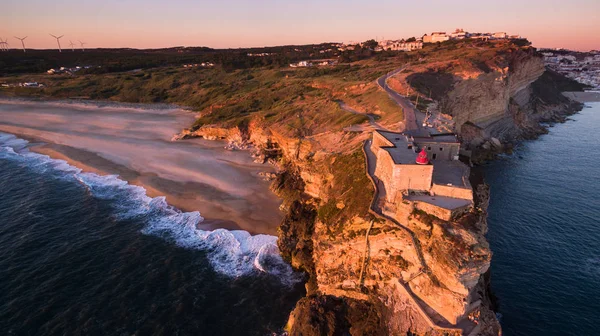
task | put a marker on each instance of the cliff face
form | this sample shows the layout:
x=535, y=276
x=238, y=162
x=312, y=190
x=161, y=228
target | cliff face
x=385, y=275
x=508, y=103
x=415, y=275
x=326, y=196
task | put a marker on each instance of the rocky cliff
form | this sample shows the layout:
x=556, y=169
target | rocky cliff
x=507, y=103
x=495, y=95
x=368, y=275
x=416, y=275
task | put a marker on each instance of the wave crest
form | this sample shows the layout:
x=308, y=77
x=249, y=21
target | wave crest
x=233, y=253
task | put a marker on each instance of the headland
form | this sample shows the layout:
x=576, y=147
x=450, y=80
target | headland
x=394, y=247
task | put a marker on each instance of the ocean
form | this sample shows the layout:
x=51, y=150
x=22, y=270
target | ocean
x=544, y=231
x=91, y=255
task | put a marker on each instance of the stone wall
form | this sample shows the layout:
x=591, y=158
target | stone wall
x=384, y=171
x=452, y=191
x=412, y=177
x=441, y=213
x=379, y=141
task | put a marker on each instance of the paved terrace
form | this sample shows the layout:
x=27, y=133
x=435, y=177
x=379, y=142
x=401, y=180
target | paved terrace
x=449, y=203
x=403, y=151
x=453, y=173
x=402, y=155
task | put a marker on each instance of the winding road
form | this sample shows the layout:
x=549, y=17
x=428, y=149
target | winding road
x=413, y=118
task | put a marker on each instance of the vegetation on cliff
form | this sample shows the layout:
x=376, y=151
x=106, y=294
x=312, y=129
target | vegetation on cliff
x=301, y=97
x=350, y=191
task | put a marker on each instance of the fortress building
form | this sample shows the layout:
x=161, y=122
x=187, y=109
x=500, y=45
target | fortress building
x=422, y=170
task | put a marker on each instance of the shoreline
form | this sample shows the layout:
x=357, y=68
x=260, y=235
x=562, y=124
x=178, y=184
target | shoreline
x=174, y=192
x=193, y=175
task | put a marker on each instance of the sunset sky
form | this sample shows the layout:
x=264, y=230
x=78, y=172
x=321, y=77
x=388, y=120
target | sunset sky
x=573, y=24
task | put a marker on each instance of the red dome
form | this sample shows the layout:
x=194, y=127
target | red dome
x=422, y=158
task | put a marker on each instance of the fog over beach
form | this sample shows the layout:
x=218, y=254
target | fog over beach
x=134, y=143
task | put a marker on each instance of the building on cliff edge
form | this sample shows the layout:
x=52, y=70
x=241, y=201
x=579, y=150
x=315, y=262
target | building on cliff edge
x=421, y=171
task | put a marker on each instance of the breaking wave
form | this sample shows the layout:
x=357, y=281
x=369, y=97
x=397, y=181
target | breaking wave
x=233, y=253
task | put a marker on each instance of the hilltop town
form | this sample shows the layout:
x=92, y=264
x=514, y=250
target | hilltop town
x=414, y=43
x=580, y=66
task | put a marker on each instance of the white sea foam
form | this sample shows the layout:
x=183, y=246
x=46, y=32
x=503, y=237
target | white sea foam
x=234, y=253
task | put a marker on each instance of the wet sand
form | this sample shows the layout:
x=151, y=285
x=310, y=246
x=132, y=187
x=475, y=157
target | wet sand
x=194, y=174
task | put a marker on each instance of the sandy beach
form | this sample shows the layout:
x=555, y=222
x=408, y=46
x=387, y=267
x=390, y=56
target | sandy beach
x=224, y=186
x=584, y=97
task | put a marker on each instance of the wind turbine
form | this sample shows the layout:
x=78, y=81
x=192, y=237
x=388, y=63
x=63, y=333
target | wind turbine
x=72, y=44
x=4, y=45
x=22, y=43
x=82, y=43
x=58, y=41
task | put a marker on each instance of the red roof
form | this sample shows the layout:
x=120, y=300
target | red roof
x=422, y=158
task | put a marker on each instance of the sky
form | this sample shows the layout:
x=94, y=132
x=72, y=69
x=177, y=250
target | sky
x=572, y=24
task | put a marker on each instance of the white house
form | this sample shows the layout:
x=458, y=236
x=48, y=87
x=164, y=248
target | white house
x=436, y=37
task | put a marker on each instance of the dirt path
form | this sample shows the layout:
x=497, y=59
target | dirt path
x=373, y=125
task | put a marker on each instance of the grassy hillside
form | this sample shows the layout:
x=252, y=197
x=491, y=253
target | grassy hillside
x=230, y=97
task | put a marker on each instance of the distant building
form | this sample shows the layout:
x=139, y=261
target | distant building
x=326, y=62
x=499, y=35
x=479, y=36
x=321, y=62
x=301, y=64
x=458, y=34
x=203, y=64
x=63, y=70
x=436, y=37
x=406, y=46
x=259, y=54
x=400, y=45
